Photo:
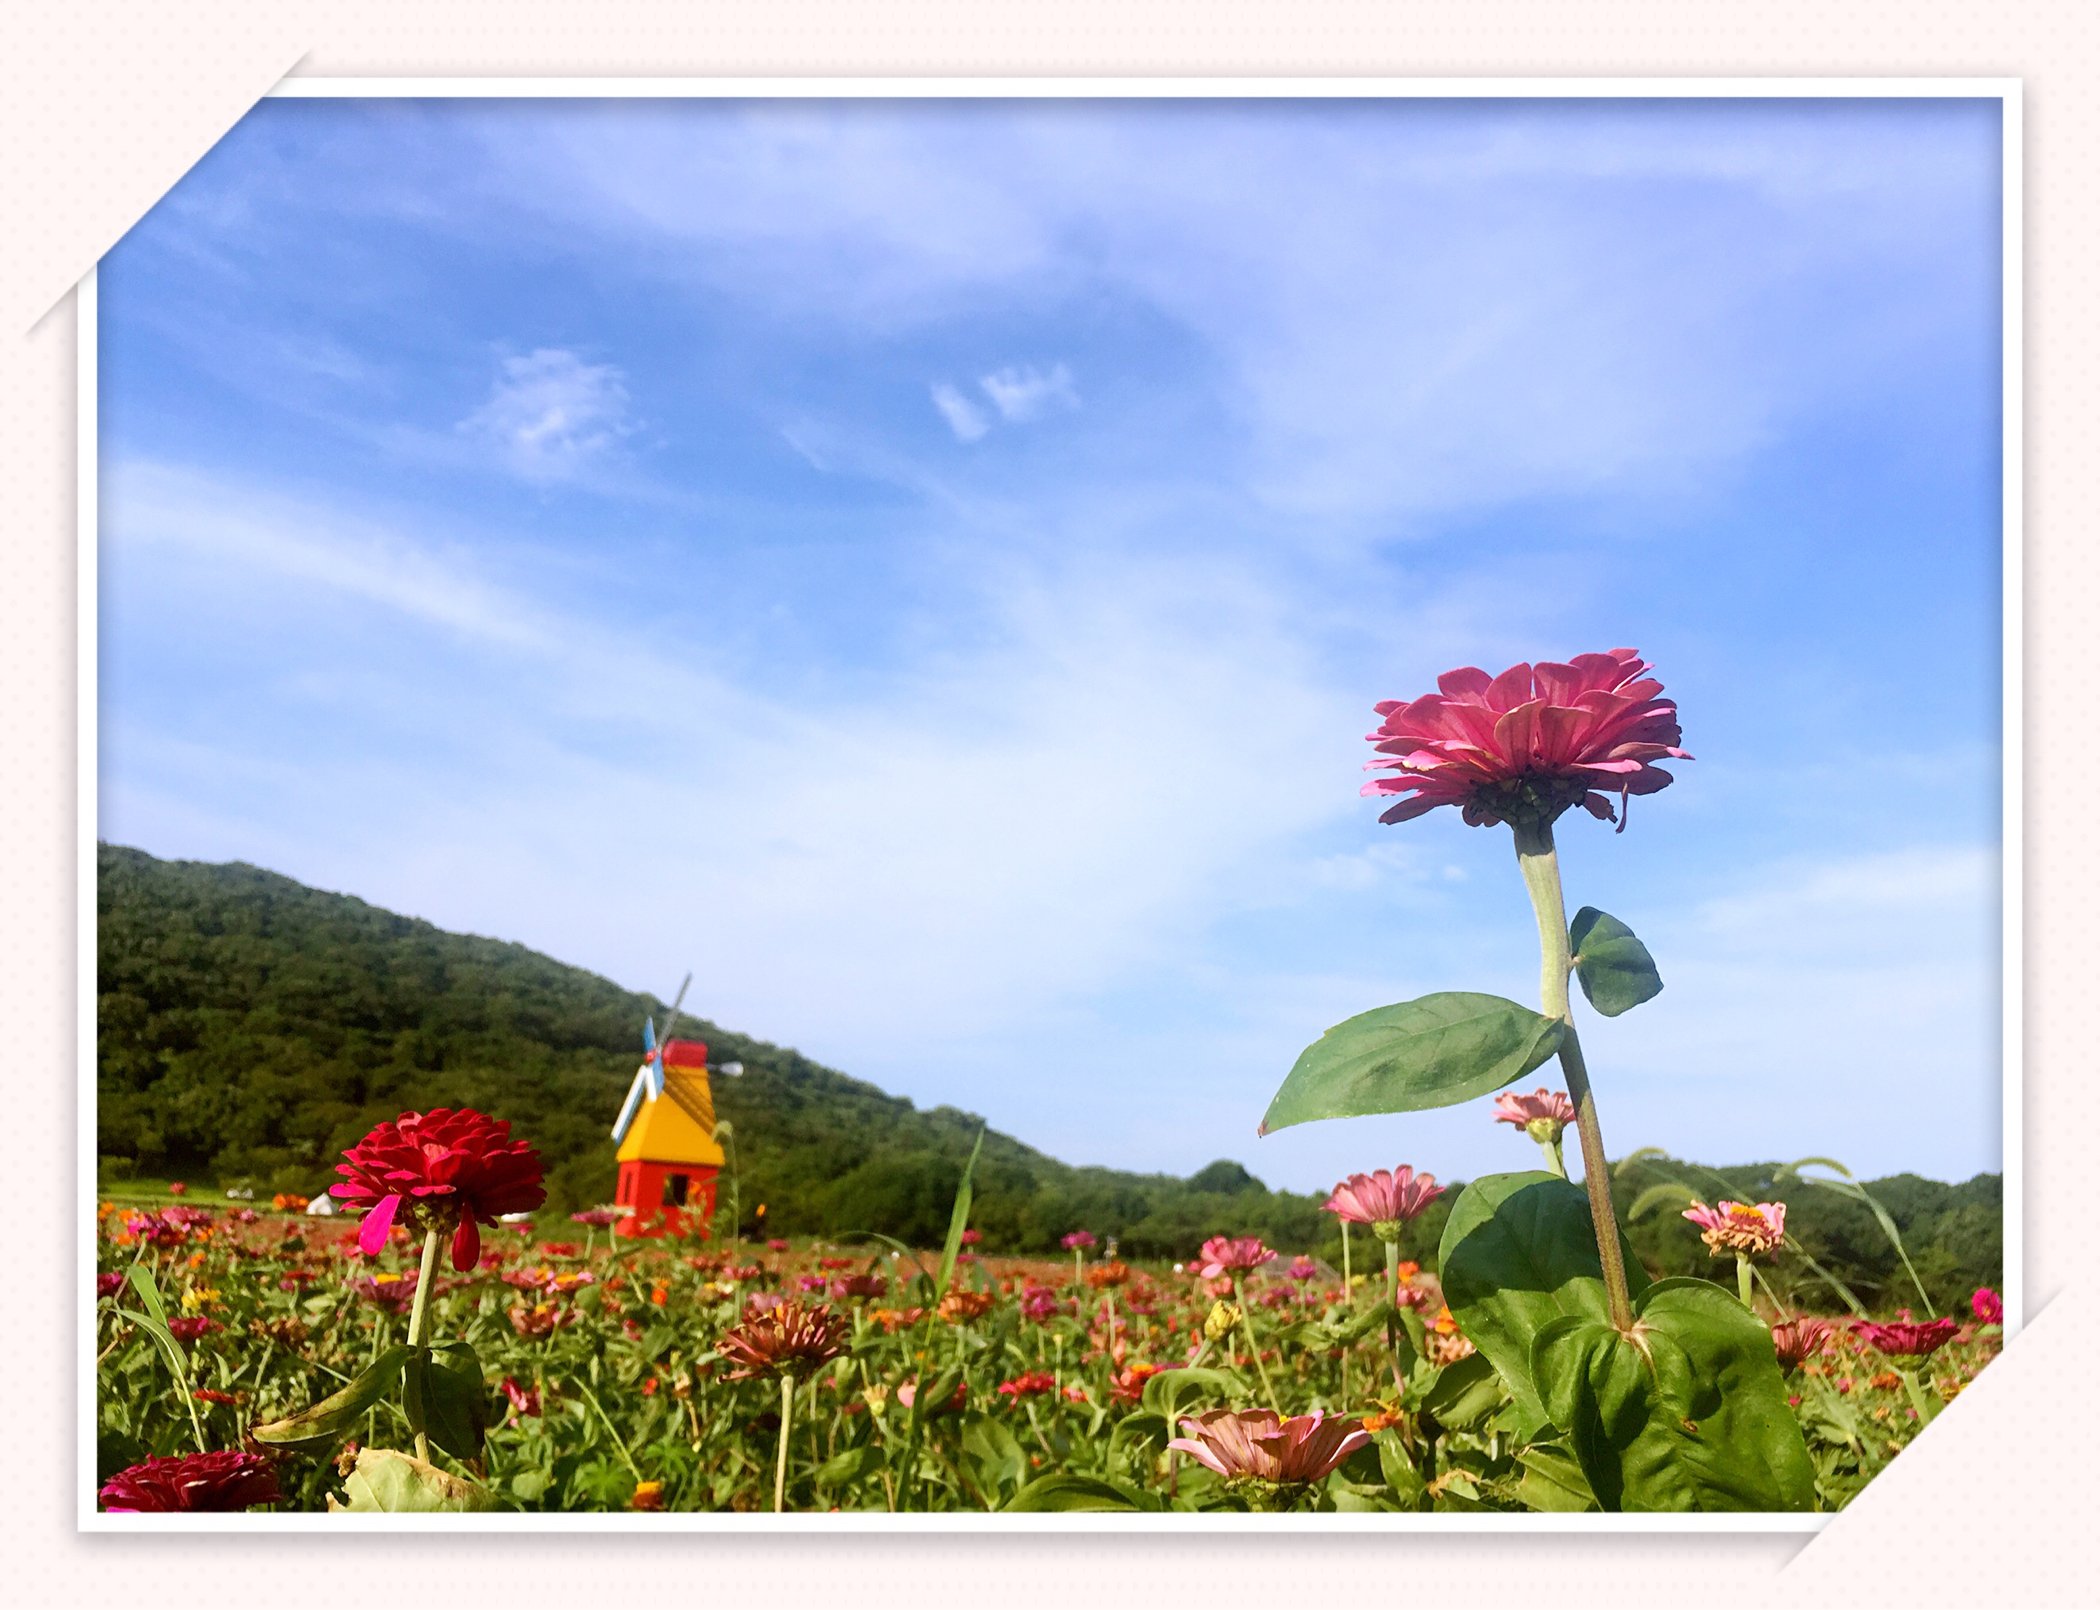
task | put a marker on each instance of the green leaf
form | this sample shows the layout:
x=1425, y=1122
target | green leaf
x=1166, y=1393
x=1062, y=1491
x=445, y=1399
x=1688, y=1413
x=1398, y=1470
x=1519, y=1252
x=1430, y=1052
x=959, y=1219
x=843, y=1469
x=390, y=1483
x=1613, y=966
x=1465, y=1395
x=329, y=1421
x=530, y=1486
x=998, y=1460
x=1553, y=1482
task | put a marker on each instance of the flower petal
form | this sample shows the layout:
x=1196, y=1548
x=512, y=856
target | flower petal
x=371, y=1235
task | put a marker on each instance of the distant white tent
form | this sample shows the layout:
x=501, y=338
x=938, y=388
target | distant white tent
x=322, y=1207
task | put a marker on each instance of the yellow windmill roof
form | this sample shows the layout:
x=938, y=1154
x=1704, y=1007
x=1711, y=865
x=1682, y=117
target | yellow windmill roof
x=676, y=1127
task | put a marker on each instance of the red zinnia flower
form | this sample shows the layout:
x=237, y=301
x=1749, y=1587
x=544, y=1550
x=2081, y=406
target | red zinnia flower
x=448, y=1169
x=1028, y=1384
x=185, y=1328
x=227, y=1480
x=1529, y=743
x=1799, y=1339
x=784, y=1337
x=1906, y=1341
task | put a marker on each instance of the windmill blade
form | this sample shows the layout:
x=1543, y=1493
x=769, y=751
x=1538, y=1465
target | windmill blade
x=634, y=1101
x=676, y=1002
x=656, y=1066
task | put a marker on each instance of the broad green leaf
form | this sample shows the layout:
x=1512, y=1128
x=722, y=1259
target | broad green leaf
x=1553, y=1482
x=1465, y=1395
x=1519, y=1252
x=1612, y=965
x=1429, y=1052
x=329, y=1421
x=842, y=1469
x=1173, y=1393
x=1399, y=1472
x=959, y=1218
x=997, y=1459
x=1689, y=1413
x=530, y=1486
x=1062, y=1491
x=444, y=1398
x=390, y=1483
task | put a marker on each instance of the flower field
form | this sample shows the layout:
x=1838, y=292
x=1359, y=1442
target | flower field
x=641, y=1375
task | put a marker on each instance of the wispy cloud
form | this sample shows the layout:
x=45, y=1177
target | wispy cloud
x=964, y=417
x=551, y=416
x=1021, y=394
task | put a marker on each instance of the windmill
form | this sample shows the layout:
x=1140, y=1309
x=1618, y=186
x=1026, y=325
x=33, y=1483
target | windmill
x=668, y=1154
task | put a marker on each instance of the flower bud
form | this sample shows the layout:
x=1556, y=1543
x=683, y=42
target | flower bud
x=1223, y=1316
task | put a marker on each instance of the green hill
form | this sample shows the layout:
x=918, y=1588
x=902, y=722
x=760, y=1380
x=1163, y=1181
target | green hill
x=252, y=1027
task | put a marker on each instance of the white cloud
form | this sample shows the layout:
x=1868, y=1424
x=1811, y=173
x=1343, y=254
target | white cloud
x=551, y=415
x=964, y=417
x=1022, y=394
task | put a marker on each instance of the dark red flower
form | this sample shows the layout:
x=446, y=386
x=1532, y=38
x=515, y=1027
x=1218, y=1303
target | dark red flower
x=1915, y=1340
x=1028, y=1384
x=108, y=1285
x=228, y=1480
x=1529, y=743
x=189, y=1328
x=448, y=1169
x=524, y=1401
x=785, y=1337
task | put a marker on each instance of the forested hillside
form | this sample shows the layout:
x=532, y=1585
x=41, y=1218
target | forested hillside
x=252, y=1027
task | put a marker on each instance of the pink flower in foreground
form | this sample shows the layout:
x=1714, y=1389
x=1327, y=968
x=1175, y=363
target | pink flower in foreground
x=1906, y=1341
x=1987, y=1306
x=1078, y=1241
x=1799, y=1339
x=1234, y=1255
x=1541, y=1115
x=1739, y=1226
x=192, y=1482
x=448, y=1169
x=1254, y=1445
x=1384, y=1200
x=1526, y=745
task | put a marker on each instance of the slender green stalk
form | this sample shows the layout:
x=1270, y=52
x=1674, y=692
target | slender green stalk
x=1239, y=1296
x=1540, y=864
x=1926, y=1403
x=780, y=1464
x=1742, y=1280
x=419, y=1315
x=1348, y=1302
x=1554, y=1160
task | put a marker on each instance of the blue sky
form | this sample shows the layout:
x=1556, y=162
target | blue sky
x=927, y=569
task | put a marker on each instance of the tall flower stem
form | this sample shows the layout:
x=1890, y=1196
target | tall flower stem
x=1348, y=1298
x=1239, y=1296
x=1540, y=864
x=780, y=1463
x=419, y=1316
x=1743, y=1287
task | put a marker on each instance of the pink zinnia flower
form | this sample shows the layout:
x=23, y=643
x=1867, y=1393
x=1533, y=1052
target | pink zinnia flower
x=1906, y=1341
x=524, y=1401
x=596, y=1218
x=448, y=1169
x=784, y=1338
x=1301, y=1270
x=1529, y=743
x=1235, y=1255
x=1798, y=1340
x=1541, y=1115
x=194, y=1482
x=1987, y=1306
x=1078, y=1241
x=1384, y=1200
x=1253, y=1444
x=1739, y=1226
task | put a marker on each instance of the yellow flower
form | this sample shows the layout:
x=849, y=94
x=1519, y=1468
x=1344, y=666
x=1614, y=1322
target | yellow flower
x=197, y=1296
x=1222, y=1317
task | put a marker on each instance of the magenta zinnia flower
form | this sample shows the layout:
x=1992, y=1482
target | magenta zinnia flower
x=1987, y=1306
x=1233, y=1255
x=1254, y=1445
x=1078, y=1241
x=1541, y=1115
x=1916, y=1340
x=1384, y=1200
x=227, y=1480
x=1739, y=1227
x=448, y=1169
x=1526, y=745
